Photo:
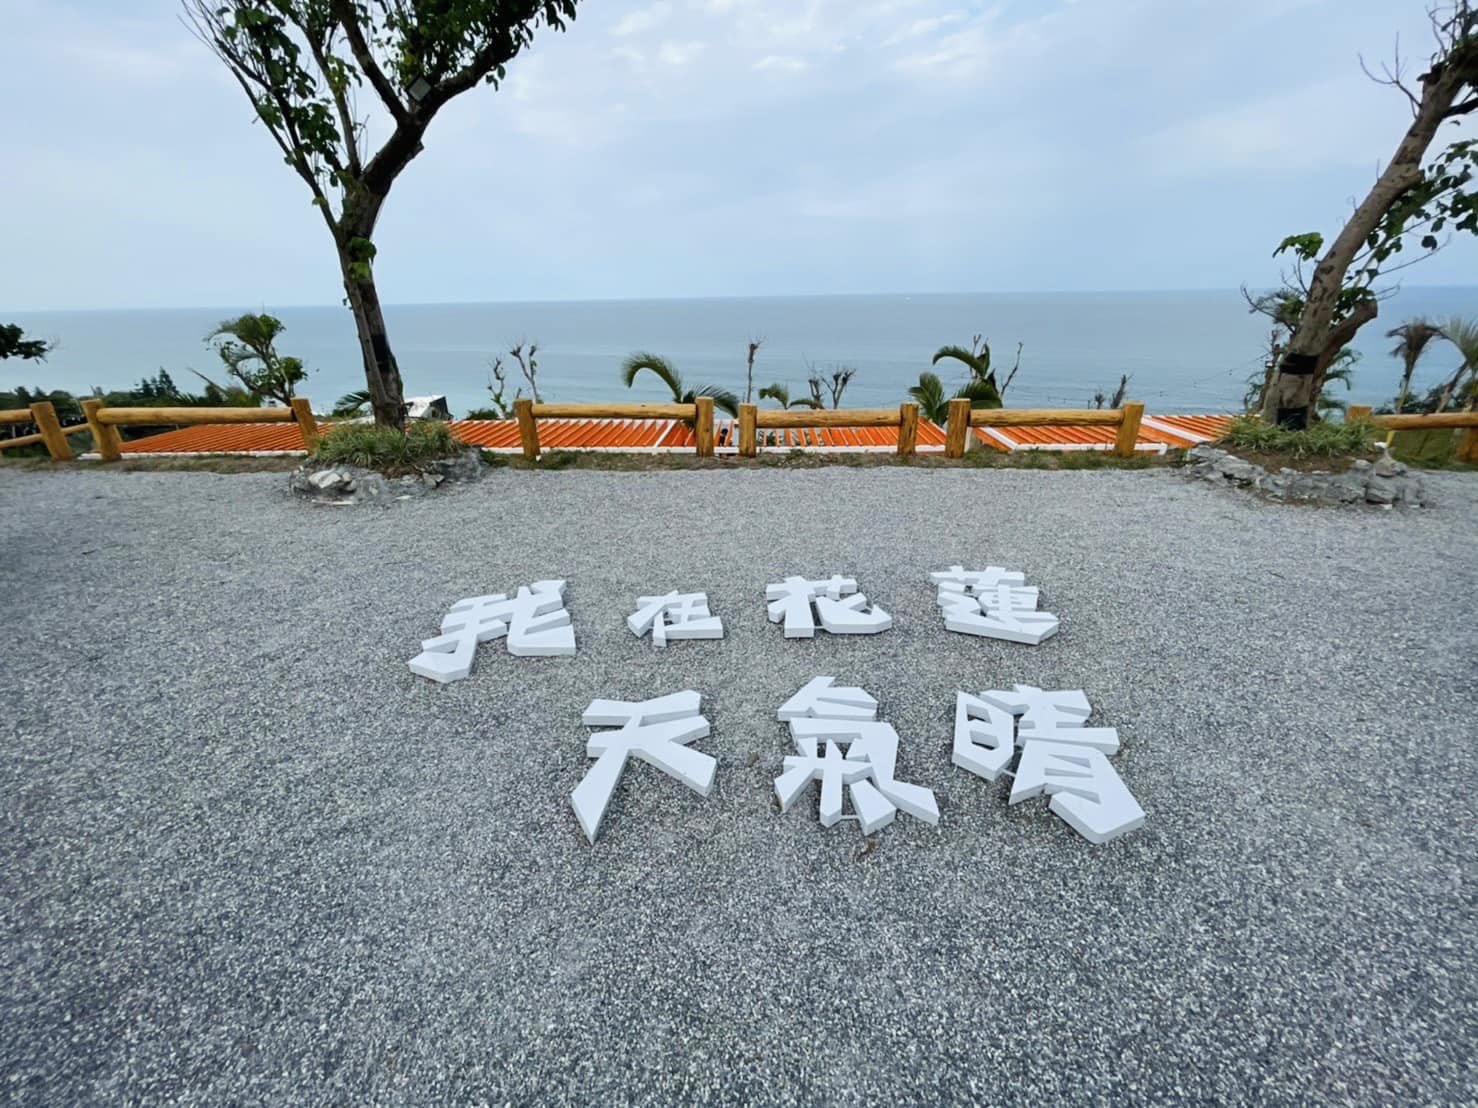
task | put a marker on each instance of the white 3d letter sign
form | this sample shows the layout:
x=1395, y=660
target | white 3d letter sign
x=656, y=731
x=841, y=608
x=994, y=603
x=675, y=615
x=1059, y=756
x=822, y=713
x=534, y=621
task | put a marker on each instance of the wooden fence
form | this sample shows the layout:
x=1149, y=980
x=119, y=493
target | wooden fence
x=104, y=422
x=962, y=417
x=49, y=429
x=1467, y=450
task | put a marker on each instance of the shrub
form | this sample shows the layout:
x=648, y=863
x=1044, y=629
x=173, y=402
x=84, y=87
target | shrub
x=1323, y=439
x=384, y=448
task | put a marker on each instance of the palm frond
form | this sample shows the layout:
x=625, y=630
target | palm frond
x=724, y=400
x=981, y=392
x=777, y=392
x=654, y=363
x=929, y=394
x=977, y=366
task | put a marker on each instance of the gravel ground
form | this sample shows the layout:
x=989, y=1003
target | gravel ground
x=248, y=857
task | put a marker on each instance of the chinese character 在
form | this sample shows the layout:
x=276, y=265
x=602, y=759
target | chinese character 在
x=1059, y=756
x=822, y=719
x=655, y=731
x=994, y=603
x=837, y=603
x=534, y=621
x=675, y=615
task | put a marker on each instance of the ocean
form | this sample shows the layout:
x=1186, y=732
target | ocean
x=1184, y=351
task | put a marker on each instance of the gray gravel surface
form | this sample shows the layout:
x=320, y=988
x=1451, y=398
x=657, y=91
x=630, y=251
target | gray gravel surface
x=246, y=856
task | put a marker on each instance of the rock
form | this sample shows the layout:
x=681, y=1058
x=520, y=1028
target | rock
x=352, y=485
x=1387, y=466
x=326, y=479
x=1381, y=490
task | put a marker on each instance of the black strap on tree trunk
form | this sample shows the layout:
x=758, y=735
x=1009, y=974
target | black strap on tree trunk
x=1299, y=365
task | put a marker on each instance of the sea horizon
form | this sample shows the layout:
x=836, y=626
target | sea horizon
x=1184, y=350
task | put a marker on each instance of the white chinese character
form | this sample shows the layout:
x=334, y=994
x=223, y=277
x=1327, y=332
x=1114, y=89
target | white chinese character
x=994, y=603
x=820, y=714
x=1059, y=756
x=656, y=731
x=841, y=608
x=676, y=615
x=534, y=620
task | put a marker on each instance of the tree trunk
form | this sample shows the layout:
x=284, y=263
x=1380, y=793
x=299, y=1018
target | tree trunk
x=387, y=393
x=1290, y=399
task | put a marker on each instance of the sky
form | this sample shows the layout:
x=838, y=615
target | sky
x=675, y=148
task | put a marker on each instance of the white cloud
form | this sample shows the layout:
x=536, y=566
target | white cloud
x=679, y=53
x=643, y=19
x=780, y=63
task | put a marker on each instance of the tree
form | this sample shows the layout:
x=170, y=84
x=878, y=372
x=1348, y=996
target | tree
x=754, y=348
x=722, y=399
x=1415, y=335
x=1099, y=400
x=834, y=381
x=301, y=63
x=247, y=345
x=14, y=344
x=933, y=401
x=781, y=395
x=351, y=403
x=1407, y=198
x=1462, y=333
x=976, y=358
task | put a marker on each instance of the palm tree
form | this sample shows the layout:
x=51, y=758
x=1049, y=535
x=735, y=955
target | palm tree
x=976, y=359
x=1463, y=334
x=1414, y=334
x=933, y=401
x=723, y=399
x=1342, y=369
x=781, y=395
x=352, y=403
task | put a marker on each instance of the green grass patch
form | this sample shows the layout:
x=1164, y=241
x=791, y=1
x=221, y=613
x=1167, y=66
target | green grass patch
x=1321, y=440
x=371, y=446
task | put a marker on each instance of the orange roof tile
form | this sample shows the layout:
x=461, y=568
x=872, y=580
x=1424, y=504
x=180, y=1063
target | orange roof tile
x=1157, y=433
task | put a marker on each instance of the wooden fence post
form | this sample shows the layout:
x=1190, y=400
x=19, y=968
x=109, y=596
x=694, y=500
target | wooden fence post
x=307, y=425
x=43, y=415
x=908, y=428
x=528, y=430
x=747, y=446
x=1133, y=412
x=1467, y=446
x=703, y=425
x=1357, y=411
x=107, y=440
x=957, y=433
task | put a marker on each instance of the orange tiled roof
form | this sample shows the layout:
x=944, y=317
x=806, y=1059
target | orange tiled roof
x=1157, y=433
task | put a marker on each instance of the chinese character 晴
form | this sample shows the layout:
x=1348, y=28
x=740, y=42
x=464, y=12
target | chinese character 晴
x=994, y=603
x=821, y=713
x=1059, y=756
x=675, y=615
x=841, y=608
x=534, y=621
x=656, y=731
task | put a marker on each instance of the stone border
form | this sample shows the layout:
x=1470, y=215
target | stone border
x=1384, y=482
x=344, y=484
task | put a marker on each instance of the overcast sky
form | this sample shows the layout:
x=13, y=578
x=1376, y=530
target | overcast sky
x=724, y=147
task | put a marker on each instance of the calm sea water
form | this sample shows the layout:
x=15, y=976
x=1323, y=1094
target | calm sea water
x=1186, y=351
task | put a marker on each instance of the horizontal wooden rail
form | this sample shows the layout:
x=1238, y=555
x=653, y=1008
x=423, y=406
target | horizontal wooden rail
x=15, y=415
x=191, y=417
x=1046, y=417
x=699, y=414
x=615, y=411
x=751, y=419
x=771, y=418
x=104, y=422
x=1467, y=449
x=22, y=440
x=962, y=417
